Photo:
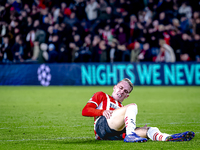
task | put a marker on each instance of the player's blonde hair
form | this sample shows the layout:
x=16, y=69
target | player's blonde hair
x=129, y=82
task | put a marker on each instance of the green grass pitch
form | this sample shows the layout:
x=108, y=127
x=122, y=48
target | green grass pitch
x=34, y=117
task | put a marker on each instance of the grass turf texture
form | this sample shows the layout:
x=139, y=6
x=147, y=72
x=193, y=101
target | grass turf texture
x=50, y=117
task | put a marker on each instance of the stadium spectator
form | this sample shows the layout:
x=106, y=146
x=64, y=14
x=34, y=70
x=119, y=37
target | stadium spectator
x=185, y=9
x=30, y=38
x=121, y=36
x=5, y=13
x=6, y=55
x=73, y=49
x=78, y=41
x=80, y=9
x=43, y=56
x=17, y=4
x=36, y=51
x=135, y=52
x=71, y=20
x=95, y=48
x=49, y=34
x=186, y=45
x=19, y=51
x=113, y=50
x=163, y=20
x=106, y=15
x=166, y=54
x=27, y=8
x=104, y=51
x=195, y=18
x=63, y=53
x=35, y=14
x=40, y=35
x=102, y=6
x=107, y=34
x=85, y=28
x=91, y=10
x=147, y=14
x=29, y=24
x=176, y=25
x=185, y=24
x=64, y=10
x=44, y=26
x=85, y=50
x=123, y=54
x=197, y=27
x=23, y=22
x=132, y=27
x=113, y=121
x=145, y=54
x=197, y=47
x=55, y=41
x=53, y=54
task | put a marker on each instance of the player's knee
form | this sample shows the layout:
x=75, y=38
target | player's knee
x=142, y=132
x=133, y=107
x=133, y=104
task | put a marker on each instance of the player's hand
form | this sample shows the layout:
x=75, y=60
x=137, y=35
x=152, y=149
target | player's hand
x=107, y=113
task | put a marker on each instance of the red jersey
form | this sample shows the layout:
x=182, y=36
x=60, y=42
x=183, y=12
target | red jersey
x=104, y=101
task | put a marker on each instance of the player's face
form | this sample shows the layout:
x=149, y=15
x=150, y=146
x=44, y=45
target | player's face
x=121, y=91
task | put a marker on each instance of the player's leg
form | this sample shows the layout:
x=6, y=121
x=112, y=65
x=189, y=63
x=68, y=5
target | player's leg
x=155, y=135
x=122, y=116
x=126, y=116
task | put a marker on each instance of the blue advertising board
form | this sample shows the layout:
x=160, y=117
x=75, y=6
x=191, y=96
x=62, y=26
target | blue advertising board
x=100, y=74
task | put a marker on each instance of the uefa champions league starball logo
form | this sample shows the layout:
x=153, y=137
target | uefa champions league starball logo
x=44, y=75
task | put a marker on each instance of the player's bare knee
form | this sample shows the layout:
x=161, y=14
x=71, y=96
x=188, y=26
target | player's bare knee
x=144, y=129
x=142, y=132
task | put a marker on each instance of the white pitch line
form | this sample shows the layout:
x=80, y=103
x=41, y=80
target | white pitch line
x=183, y=122
x=163, y=113
x=170, y=123
x=92, y=125
x=60, y=138
x=43, y=127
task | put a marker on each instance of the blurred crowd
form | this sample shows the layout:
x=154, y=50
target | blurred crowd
x=99, y=31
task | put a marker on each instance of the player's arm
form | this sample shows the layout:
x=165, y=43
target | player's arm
x=90, y=110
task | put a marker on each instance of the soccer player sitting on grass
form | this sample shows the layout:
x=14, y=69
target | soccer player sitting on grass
x=113, y=121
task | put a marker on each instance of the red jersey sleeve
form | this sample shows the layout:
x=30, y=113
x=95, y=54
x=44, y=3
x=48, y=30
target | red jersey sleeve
x=97, y=98
x=90, y=108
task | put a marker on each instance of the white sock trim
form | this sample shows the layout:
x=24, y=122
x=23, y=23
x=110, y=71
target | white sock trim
x=155, y=135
